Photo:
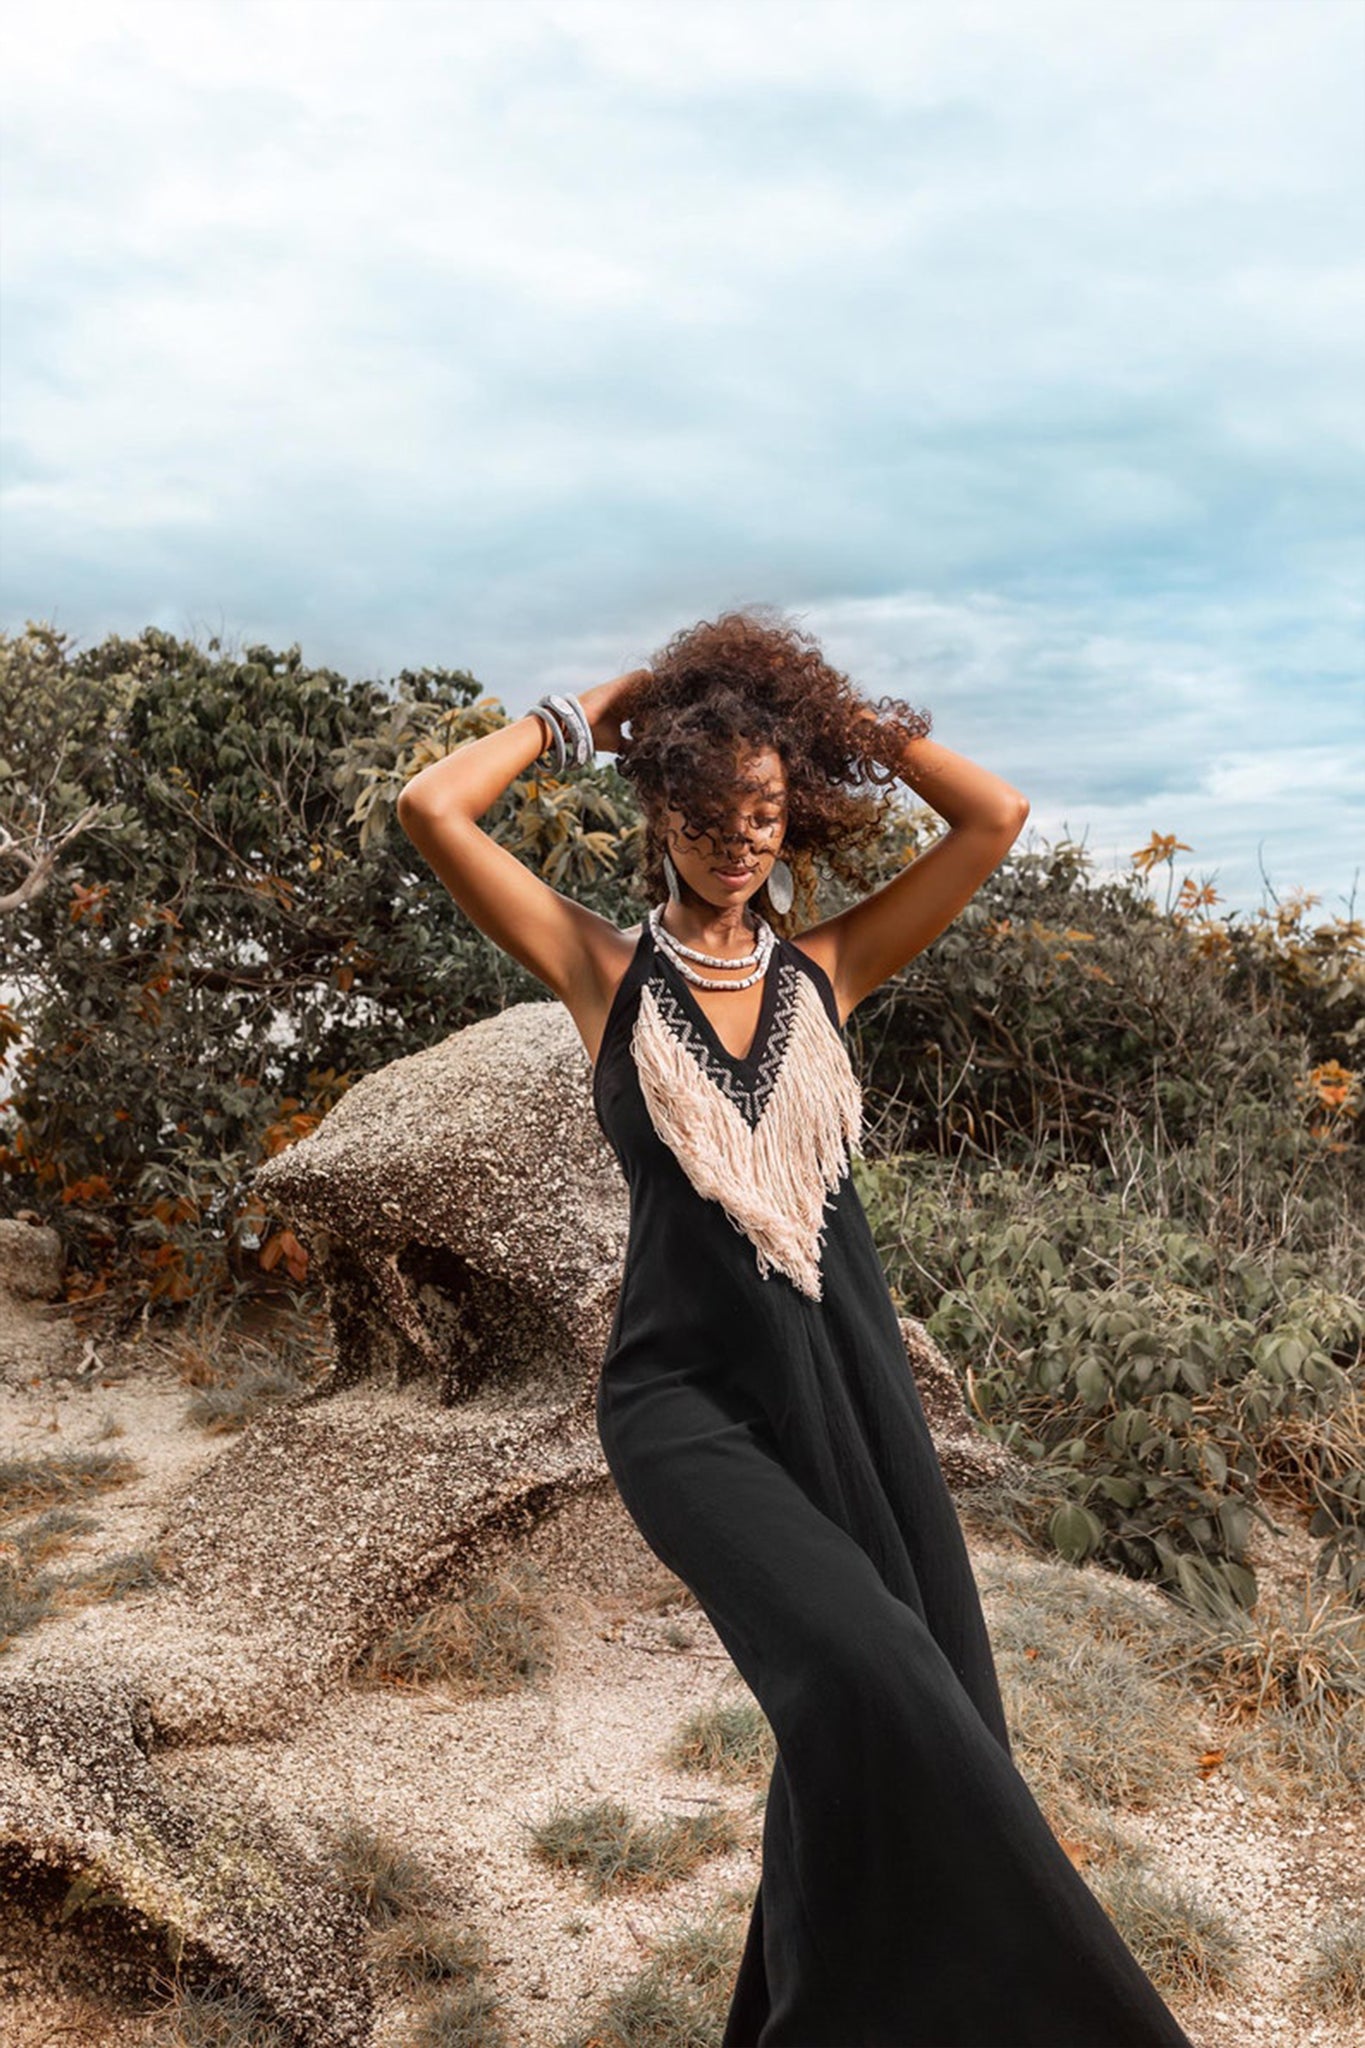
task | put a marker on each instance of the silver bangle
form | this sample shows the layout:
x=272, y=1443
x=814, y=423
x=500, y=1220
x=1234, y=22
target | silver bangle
x=573, y=734
x=554, y=746
x=578, y=728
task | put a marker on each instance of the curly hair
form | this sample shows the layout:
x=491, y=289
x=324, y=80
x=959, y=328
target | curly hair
x=751, y=678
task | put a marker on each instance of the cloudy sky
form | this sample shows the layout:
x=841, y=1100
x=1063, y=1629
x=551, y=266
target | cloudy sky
x=1015, y=349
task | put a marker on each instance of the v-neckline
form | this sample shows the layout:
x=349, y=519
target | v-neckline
x=758, y=1043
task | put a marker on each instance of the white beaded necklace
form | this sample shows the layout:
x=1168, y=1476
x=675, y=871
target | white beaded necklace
x=680, y=954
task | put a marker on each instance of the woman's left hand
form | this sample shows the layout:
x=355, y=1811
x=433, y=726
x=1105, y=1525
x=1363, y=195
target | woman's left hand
x=607, y=706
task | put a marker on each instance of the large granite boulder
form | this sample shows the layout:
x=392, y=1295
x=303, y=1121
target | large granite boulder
x=149, y=1878
x=465, y=1212
x=326, y=1524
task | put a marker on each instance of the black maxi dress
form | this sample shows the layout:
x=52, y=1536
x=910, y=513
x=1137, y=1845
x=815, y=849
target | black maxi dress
x=770, y=1444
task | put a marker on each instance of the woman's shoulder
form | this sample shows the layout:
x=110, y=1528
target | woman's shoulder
x=817, y=946
x=815, y=953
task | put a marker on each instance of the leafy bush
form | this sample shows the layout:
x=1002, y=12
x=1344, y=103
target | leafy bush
x=1058, y=1003
x=211, y=927
x=1149, y=1369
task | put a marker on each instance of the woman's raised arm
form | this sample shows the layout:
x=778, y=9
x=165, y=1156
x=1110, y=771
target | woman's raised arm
x=564, y=944
x=863, y=946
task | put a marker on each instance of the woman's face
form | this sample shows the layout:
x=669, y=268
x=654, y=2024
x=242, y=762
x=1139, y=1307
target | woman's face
x=728, y=863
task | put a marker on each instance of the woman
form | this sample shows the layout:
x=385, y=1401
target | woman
x=754, y=1404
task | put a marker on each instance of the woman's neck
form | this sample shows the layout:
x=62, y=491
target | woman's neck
x=715, y=928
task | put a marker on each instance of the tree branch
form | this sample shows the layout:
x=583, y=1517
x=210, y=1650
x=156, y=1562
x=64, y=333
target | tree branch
x=40, y=860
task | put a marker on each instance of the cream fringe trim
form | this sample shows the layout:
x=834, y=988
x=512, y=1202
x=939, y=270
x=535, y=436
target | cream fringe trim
x=772, y=1180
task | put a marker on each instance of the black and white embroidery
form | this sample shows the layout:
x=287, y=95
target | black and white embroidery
x=749, y=1091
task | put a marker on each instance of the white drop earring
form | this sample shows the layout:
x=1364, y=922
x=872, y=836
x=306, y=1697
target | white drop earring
x=671, y=877
x=781, y=887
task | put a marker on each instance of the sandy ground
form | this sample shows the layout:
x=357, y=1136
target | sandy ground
x=458, y=1780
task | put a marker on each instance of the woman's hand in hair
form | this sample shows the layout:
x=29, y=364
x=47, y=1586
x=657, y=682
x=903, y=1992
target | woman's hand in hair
x=608, y=707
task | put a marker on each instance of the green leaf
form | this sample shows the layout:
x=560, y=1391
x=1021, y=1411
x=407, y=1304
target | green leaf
x=1074, y=1531
x=1092, y=1382
x=1126, y=1492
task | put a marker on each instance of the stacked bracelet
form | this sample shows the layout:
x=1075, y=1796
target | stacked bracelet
x=570, y=733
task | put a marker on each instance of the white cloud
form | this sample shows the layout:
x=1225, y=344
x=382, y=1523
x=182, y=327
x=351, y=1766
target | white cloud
x=1321, y=772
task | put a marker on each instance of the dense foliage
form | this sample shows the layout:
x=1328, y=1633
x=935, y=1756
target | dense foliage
x=1166, y=1370
x=1059, y=1002
x=233, y=935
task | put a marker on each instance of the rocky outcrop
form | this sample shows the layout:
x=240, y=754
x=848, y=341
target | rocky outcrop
x=34, y=1339
x=465, y=1212
x=30, y=1260
x=968, y=1458
x=324, y=1525
x=316, y=1531
x=161, y=1879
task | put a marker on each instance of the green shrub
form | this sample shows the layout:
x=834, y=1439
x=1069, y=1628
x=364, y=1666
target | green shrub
x=1151, y=1370
x=1060, y=1002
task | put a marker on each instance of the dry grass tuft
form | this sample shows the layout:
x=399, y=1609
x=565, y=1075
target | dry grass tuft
x=230, y=1404
x=617, y=1850
x=236, y=1376
x=1183, y=1943
x=731, y=1738
x=1335, y=1980
x=387, y=1883
x=29, y=1594
x=129, y=1572
x=50, y=1533
x=1104, y=1681
x=680, y=1999
x=1092, y=1713
x=468, y=2017
x=418, y=1948
x=219, y=2018
x=450, y=1958
x=414, y=1945
x=1290, y=1675
x=499, y=1636
x=648, y=2011
x=30, y=1483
